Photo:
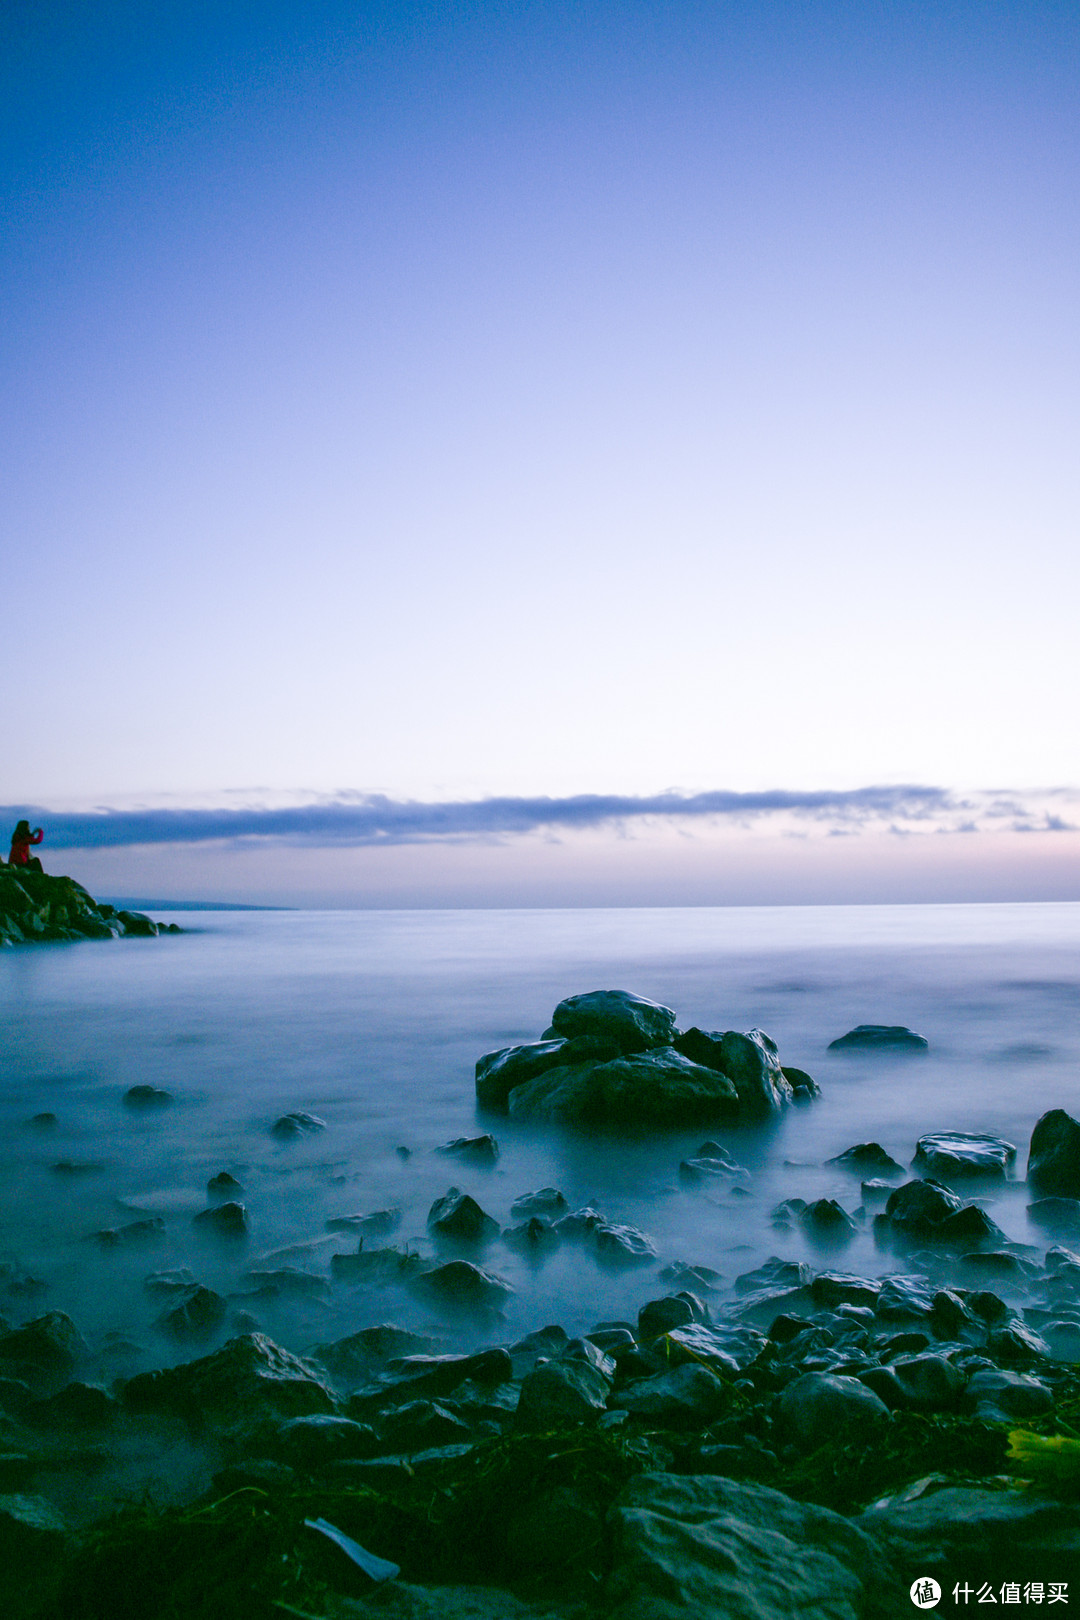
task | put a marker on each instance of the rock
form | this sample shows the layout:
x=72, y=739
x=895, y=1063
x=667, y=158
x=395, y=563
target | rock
x=750, y=1061
x=968, y=1226
x=312, y=1442
x=459, y=1285
x=1057, y=1215
x=721, y=1549
x=383, y=1266
x=915, y=1209
x=875, y=1192
x=437, y=1376
x=827, y=1222
x=866, y=1156
x=879, y=1038
x=197, y=1317
x=44, y=1122
x=420, y=1425
x=548, y=1201
x=621, y=1245
x=137, y=925
x=559, y=1526
x=561, y=1392
x=688, y=1397
x=147, y=1097
x=579, y=1224
x=227, y=1220
x=357, y=1357
x=151, y=1230
x=952, y=1155
x=803, y=1087
x=291, y=1126
x=32, y=1537
x=1006, y=1535
x=905, y=1299
x=223, y=1187
x=48, y=1348
x=377, y=1224
x=724, y=1347
x=929, y=1382
x=181, y=1281
x=1054, y=1156
x=820, y=1407
x=659, y=1088
x=695, y=1171
x=497, y=1073
x=701, y=1279
x=1009, y=1394
x=76, y=1406
x=1016, y=1342
x=633, y=1023
x=458, y=1217
x=995, y=1263
x=532, y=1237
x=661, y=1315
x=290, y=1282
x=474, y=1149
x=249, y=1380
x=832, y=1288
x=775, y=1274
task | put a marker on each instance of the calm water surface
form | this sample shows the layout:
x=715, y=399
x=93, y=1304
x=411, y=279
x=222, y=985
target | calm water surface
x=373, y=1020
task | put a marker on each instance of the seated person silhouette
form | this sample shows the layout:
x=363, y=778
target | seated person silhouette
x=21, y=839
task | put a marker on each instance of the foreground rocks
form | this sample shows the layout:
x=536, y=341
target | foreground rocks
x=36, y=908
x=613, y=1058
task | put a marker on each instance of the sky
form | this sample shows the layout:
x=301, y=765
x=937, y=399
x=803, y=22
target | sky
x=511, y=441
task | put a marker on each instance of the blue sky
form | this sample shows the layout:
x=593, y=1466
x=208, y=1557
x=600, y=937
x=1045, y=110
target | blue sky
x=461, y=403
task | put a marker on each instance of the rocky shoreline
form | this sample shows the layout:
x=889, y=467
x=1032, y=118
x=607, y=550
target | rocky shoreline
x=803, y=1441
x=36, y=907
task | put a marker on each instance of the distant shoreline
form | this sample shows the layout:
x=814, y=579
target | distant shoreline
x=188, y=905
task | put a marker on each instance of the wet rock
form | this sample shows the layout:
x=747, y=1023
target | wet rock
x=197, y=1317
x=289, y=1282
x=292, y=1126
x=820, y=1407
x=774, y=1274
x=560, y=1392
x=659, y=1087
x=224, y=1187
x=633, y=1023
x=867, y=1156
x=151, y=1230
x=721, y=1549
x=693, y=1172
x=557, y=1526
x=1060, y=1216
x=879, y=1038
x=995, y=1263
x=905, y=1299
x=724, y=1347
x=970, y=1225
x=473, y=1149
x=249, y=1380
x=875, y=1192
x=497, y=1073
x=76, y=1406
x=147, y=1097
x=661, y=1315
x=14, y=1395
x=1015, y=1342
x=826, y=1221
x=48, y=1348
x=804, y=1088
x=751, y=1061
x=436, y=1376
x=357, y=1357
x=546, y=1201
x=381, y=1267
x=44, y=1122
x=460, y=1218
x=462, y=1286
x=312, y=1442
x=1054, y=1156
x=1013, y=1536
x=995, y=1394
x=420, y=1425
x=378, y=1224
x=33, y=1536
x=952, y=1156
x=915, y=1209
x=832, y=1288
x=532, y=1237
x=622, y=1245
x=137, y=925
x=929, y=1382
x=700, y=1279
x=688, y=1397
x=580, y=1224
x=228, y=1220
x=181, y=1281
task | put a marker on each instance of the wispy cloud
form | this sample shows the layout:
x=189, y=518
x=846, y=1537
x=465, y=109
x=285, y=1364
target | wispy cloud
x=354, y=819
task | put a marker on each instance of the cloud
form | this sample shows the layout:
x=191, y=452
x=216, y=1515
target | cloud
x=354, y=819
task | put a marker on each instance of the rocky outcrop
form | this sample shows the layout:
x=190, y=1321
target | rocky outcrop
x=36, y=908
x=613, y=1058
x=1054, y=1156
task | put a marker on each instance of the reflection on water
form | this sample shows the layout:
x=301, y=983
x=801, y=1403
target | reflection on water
x=373, y=1021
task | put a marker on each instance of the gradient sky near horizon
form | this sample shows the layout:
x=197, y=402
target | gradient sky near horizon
x=448, y=401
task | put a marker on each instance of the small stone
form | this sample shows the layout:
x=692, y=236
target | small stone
x=866, y=1156
x=224, y=1220
x=621, y=1245
x=953, y=1156
x=147, y=1097
x=879, y=1038
x=44, y=1122
x=151, y=1230
x=462, y=1286
x=547, y=1201
x=224, y=1186
x=198, y=1317
x=474, y=1149
x=297, y=1124
x=458, y=1216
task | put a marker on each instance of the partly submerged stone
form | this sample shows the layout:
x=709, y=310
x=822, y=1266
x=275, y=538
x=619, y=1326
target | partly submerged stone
x=547, y=1201
x=868, y=1156
x=297, y=1124
x=147, y=1096
x=359, y=1355
x=458, y=1216
x=47, y=1348
x=474, y=1149
x=461, y=1286
x=879, y=1038
x=658, y=1087
x=618, y=1244
x=497, y=1073
x=247, y=1381
x=749, y=1060
x=1054, y=1155
x=634, y=1023
x=563, y=1391
x=955, y=1155
x=228, y=1220
x=378, y=1224
x=197, y=1317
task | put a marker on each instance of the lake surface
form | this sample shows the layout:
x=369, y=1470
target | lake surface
x=374, y=1020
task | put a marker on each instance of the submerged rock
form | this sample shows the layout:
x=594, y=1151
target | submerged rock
x=297, y=1124
x=474, y=1149
x=459, y=1285
x=866, y=1156
x=879, y=1038
x=459, y=1217
x=47, y=1348
x=147, y=1097
x=547, y=1201
x=228, y=1220
x=658, y=1087
x=223, y=1187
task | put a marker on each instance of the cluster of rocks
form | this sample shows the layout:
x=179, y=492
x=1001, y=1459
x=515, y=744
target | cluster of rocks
x=613, y=1058
x=37, y=907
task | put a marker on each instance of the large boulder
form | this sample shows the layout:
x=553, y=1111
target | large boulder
x=249, y=1380
x=1054, y=1155
x=820, y=1407
x=44, y=1351
x=659, y=1087
x=497, y=1073
x=633, y=1023
x=721, y=1549
x=750, y=1061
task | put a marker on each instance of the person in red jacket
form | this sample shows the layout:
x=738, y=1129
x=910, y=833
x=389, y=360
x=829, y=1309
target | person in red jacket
x=21, y=839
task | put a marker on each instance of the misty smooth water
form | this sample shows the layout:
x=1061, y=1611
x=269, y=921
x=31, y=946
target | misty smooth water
x=374, y=1020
